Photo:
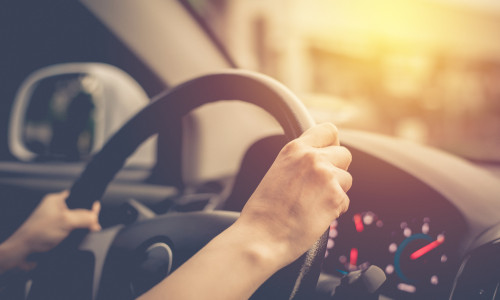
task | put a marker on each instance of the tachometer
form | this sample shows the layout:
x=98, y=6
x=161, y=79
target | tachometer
x=361, y=236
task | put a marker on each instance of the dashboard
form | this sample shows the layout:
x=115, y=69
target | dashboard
x=421, y=215
x=415, y=212
x=406, y=217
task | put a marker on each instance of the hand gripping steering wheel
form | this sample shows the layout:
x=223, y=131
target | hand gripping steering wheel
x=184, y=233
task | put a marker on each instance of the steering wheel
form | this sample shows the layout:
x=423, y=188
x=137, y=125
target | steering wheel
x=183, y=234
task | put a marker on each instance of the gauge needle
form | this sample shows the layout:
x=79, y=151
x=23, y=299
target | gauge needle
x=353, y=258
x=358, y=223
x=426, y=248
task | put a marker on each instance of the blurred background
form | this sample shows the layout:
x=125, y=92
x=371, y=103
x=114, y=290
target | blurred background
x=423, y=70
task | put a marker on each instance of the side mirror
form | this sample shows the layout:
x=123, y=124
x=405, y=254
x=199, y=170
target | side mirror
x=68, y=111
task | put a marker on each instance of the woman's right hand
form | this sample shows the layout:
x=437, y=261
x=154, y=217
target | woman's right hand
x=301, y=194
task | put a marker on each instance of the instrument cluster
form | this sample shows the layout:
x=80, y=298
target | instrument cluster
x=417, y=253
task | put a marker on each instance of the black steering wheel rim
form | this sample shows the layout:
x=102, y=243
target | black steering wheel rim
x=240, y=85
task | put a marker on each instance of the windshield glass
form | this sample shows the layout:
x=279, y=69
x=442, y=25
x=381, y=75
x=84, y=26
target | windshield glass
x=424, y=70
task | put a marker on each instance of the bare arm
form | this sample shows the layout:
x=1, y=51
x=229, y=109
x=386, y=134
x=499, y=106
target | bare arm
x=301, y=194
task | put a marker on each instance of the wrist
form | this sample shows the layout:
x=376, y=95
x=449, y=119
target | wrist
x=262, y=248
x=6, y=257
x=12, y=254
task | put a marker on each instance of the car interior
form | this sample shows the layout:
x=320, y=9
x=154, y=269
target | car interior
x=141, y=106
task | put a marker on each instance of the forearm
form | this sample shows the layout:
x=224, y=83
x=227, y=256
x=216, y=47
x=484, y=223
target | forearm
x=231, y=266
x=5, y=261
x=11, y=255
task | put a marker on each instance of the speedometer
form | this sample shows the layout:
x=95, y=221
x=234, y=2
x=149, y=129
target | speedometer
x=420, y=256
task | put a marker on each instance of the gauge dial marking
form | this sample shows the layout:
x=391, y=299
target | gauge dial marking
x=358, y=222
x=426, y=248
x=353, y=258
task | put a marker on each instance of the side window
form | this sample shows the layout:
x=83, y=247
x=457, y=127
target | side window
x=66, y=112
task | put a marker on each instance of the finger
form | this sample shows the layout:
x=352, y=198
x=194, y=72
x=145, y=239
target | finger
x=344, y=179
x=339, y=156
x=95, y=227
x=96, y=207
x=64, y=194
x=340, y=200
x=83, y=218
x=61, y=195
x=322, y=135
x=58, y=198
x=345, y=204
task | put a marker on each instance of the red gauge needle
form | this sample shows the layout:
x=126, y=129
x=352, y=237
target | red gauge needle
x=426, y=248
x=353, y=258
x=358, y=223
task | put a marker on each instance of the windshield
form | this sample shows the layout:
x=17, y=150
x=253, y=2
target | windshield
x=424, y=70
